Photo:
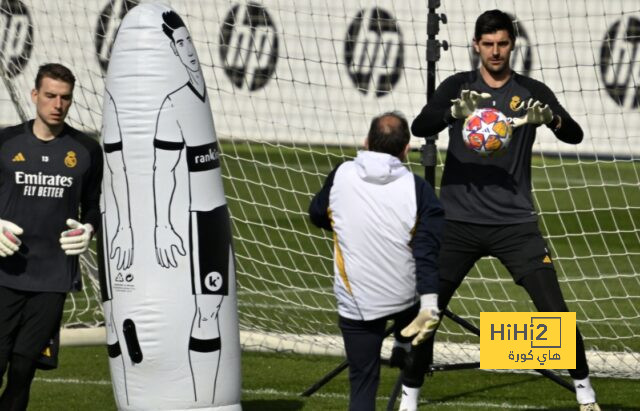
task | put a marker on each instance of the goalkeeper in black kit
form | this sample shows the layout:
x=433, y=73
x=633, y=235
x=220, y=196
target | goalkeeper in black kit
x=50, y=177
x=488, y=204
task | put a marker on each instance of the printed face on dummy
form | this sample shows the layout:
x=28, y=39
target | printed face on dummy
x=184, y=49
x=494, y=50
x=52, y=99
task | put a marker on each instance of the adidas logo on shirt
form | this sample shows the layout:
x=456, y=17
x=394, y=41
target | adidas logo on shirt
x=547, y=259
x=18, y=157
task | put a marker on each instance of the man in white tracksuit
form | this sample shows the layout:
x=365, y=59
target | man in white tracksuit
x=386, y=224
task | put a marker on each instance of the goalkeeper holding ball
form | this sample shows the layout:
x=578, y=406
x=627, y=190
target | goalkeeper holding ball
x=50, y=177
x=487, y=200
x=386, y=225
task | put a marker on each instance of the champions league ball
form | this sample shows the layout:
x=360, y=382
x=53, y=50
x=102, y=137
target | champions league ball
x=486, y=131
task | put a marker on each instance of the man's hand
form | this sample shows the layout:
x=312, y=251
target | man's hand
x=122, y=247
x=467, y=103
x=422, y=326
x=167, y=241
x=75, y=241
x=9, y=241
x=536, y=114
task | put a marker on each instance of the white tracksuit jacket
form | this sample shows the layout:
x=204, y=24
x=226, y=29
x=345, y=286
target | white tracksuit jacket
x=386, y=223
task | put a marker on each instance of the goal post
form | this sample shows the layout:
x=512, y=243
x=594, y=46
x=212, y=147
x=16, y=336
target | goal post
x=293, y=86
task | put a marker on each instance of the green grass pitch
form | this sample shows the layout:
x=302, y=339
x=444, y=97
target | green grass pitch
x=285, y=276
x=273, y=382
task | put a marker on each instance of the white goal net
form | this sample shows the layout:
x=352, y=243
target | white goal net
x=293, y=86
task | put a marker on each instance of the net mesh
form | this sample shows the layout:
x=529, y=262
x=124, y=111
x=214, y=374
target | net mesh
x=293, y=85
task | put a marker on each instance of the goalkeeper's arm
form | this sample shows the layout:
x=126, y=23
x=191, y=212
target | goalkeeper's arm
x=91, y=187
x=437, y=114
x=562, y=124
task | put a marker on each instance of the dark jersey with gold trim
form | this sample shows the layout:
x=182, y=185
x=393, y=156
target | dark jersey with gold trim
x=42, y=184
x=497, y=189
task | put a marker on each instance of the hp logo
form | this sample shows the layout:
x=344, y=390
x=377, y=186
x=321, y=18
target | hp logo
x=107, y=28
x=249, y=46
x=16, y=37
x=374, y=52
x=619, y=65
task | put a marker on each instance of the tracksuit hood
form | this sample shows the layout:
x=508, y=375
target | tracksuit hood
x=379, y=168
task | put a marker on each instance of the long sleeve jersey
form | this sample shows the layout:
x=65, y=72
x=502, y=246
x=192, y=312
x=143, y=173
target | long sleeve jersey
x=387, y=224
x=42, y=184
x=490, y=190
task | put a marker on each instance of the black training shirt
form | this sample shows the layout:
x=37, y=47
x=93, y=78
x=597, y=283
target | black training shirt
x=490, y=190
x=42, y=184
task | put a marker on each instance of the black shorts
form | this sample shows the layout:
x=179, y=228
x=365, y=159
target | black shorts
x=28, y=321
x=211, y=255
x=520, y=247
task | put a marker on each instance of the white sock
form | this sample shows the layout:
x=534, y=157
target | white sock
x=409, y=401
x=584, y=392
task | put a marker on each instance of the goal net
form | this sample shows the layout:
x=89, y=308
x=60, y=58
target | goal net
x=293, y=86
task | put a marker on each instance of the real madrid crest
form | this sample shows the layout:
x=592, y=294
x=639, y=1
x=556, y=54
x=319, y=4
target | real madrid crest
x=514, y=103
x=70, y=160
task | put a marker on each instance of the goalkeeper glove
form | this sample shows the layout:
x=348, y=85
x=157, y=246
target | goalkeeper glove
x=9, y=242
x=76, y=240
x=536, y=113
x=426, y=322
x=467, y=103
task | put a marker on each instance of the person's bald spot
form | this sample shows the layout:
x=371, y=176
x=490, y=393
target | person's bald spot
x=389, y=133
x=388, y=124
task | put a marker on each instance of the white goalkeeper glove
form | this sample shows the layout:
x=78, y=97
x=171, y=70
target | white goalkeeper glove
x=9, y=241
x=76, y=240
x=467, y=103
x=536, y=114
x=426, y=322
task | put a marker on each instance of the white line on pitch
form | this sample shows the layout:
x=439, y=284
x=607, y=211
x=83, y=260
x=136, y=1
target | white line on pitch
x=439, y=404
x=310, y=291
x=72, y=381
x=285, y=307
